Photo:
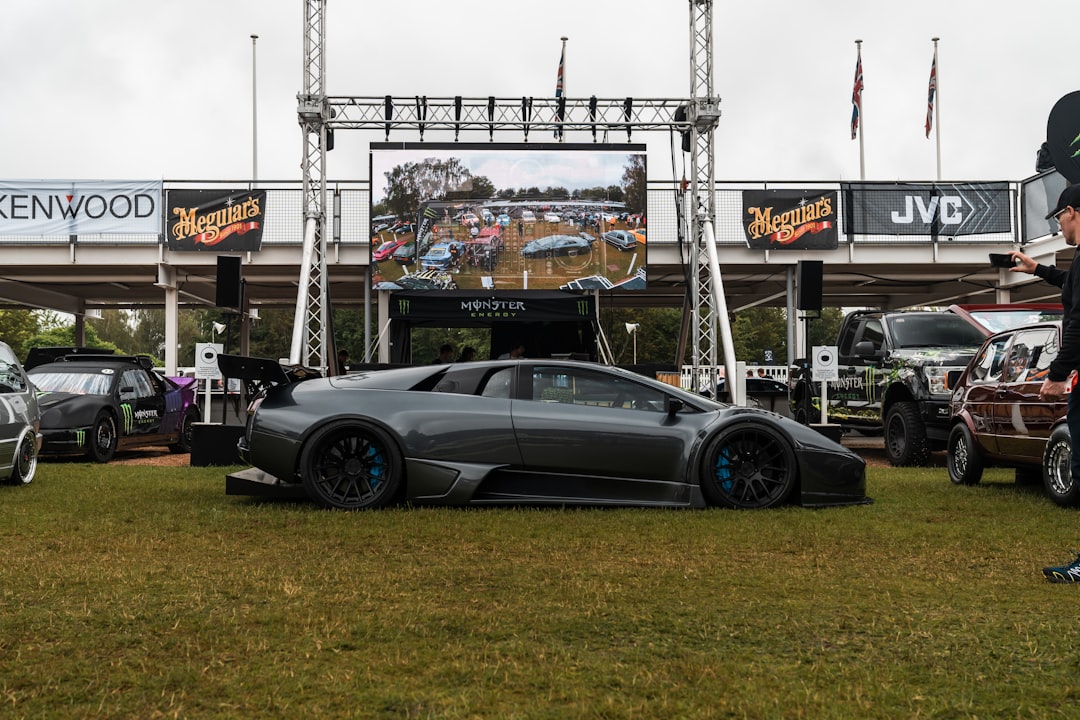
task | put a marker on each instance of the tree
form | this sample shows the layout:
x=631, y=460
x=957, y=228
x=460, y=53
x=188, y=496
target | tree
x=17, y=327
x=635, y=184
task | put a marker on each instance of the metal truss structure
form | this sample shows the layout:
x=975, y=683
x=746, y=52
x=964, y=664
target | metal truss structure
x=321, y=115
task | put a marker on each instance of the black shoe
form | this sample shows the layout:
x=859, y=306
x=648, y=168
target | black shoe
x=1065, y=573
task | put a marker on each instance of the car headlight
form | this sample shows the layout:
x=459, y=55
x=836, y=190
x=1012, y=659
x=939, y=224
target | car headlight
x=938, y=379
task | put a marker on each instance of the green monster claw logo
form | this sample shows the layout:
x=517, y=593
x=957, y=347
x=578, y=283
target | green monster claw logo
x=80, y=438
x=403, y=307
x=583, y=307
x=129, y=418
x=1074, y=142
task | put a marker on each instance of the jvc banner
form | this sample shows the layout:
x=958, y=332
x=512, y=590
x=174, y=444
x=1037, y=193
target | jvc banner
x=790, y=219
x=216, y=220
x=934, y=209
x=80, y=207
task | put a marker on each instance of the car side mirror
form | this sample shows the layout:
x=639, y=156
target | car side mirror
x=672, y=406
x=866, y=350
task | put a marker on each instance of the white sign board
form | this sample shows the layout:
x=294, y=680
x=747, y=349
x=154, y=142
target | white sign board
x=206, y=355
x=825, y=363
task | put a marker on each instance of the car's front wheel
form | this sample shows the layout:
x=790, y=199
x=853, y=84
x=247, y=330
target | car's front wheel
x=24, y=464
x=965, y=460
x=749, y=466
x=905, y=435
x=351, y=466
x=103, y=438
x=1057, y=469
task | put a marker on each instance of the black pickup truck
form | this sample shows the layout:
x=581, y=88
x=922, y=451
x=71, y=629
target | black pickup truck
x=893, y=379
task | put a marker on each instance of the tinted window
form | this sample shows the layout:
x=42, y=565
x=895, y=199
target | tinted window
x=578, y=386
x=938, y=330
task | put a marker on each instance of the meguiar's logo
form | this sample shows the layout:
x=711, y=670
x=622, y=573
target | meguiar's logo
x=129, y=418
x=403, y=307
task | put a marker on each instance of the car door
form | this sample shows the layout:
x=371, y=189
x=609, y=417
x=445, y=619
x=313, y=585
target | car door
x=1023, y=421
x=601, y=430
x=143, y=410
x=982, y=393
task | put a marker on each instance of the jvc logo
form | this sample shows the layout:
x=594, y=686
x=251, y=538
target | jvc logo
x=950, y=210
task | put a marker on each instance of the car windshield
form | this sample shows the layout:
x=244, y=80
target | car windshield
x=999, y=320
x=77, y=383
x=934, y=330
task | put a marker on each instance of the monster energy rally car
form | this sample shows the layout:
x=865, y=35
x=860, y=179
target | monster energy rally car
x=96, y=404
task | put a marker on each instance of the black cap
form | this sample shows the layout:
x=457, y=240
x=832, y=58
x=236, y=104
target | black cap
x=1070, y=197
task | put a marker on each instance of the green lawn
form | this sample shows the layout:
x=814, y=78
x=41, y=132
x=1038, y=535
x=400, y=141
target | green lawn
x=135, y=592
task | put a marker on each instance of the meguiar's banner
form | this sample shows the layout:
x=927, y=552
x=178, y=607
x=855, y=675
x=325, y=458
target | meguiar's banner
x=215, y=220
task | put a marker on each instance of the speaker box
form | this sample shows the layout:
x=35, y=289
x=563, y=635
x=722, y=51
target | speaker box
x=228, y=281
x=808, y=284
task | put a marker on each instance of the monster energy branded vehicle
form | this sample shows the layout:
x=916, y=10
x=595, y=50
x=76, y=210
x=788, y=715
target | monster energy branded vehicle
x=893, y=379
x=94, y=405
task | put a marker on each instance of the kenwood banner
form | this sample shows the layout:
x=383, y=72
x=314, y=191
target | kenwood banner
x=933, y=209
x=80, y=207
x=790, y=219
x=215, y=220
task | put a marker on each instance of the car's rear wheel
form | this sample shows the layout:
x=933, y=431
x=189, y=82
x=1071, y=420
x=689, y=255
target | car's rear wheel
x=965, y=460
x=1057, y=469
x=351, y=466
x=183, y=443
x=103, y=438
x=24, y=464
x=749, y=466
x=905, y=435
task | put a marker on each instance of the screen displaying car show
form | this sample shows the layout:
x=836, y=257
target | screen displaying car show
x=508, y=217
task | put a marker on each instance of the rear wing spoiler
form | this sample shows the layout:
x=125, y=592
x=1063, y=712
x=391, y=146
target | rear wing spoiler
x=261, y=372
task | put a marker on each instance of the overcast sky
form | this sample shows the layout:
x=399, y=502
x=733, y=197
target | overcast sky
x=146, y=89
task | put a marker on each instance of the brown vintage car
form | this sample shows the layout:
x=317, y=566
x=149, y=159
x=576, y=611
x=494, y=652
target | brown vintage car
x=999, y=420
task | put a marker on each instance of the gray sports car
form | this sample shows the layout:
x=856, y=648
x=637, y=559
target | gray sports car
x=537, y=432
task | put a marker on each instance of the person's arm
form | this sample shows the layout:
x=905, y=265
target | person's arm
x=1049, y=273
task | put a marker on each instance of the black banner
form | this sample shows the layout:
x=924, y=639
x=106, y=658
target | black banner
x=790, y=219
x=934, y=209
x=215, y=220
x=458, y=307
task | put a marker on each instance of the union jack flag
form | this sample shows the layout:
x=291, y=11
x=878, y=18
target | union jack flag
x=930, y=95
x=559, y=91
x=559, y=78
x=856, y=97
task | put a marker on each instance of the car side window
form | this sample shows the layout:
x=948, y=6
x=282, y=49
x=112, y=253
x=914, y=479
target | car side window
x=498, y=385
x=1044, y=350
x=576, y=386
x=11, y=380
x=990, y=362
x=134, y=384
x=874, y=333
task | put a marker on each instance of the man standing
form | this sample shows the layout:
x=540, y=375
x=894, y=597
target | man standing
x=1056, y=385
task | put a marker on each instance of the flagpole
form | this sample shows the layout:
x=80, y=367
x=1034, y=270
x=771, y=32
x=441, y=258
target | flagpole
x=562, y=73
x=937, y=108
x=862, y=121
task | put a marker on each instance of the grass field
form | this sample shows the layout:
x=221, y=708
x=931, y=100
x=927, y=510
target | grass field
x=143, y=592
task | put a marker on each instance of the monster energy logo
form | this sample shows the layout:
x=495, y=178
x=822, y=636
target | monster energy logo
x=583, y=307
x=403, y=307
x=80, y=437
x=129, y=418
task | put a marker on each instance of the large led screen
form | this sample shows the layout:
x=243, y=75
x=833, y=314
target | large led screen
x=508, y=217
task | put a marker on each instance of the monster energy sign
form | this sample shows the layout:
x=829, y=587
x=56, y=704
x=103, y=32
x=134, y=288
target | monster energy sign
x=454, y=306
